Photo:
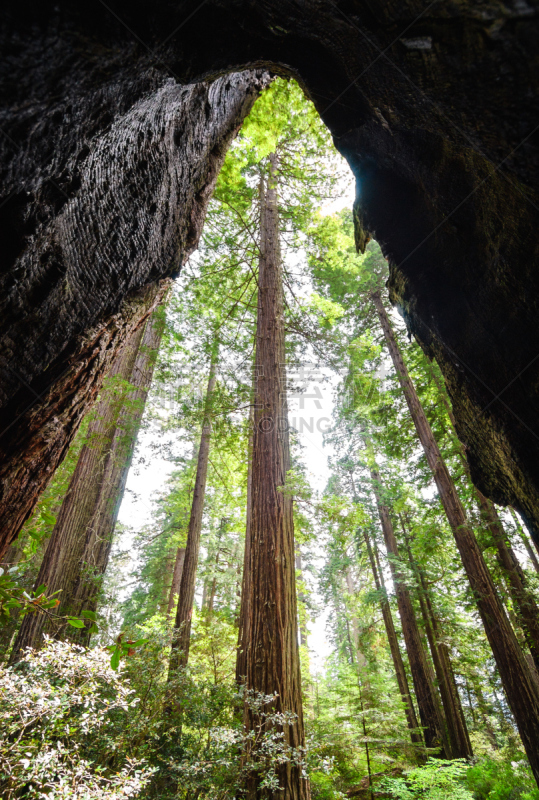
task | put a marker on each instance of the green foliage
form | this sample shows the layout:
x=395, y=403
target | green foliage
x=498, y=778
x=436, y=780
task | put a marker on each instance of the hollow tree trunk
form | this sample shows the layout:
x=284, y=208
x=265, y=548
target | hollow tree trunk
x=394, y=648
x=432, y=721
x=176, y=580
x=79, y=547
x=519, y=685
x=272, y=653
x=125, y=208
x=458, y=737
x=186, y=599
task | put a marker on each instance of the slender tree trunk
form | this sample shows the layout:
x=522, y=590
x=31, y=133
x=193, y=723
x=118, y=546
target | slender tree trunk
x=176, y=580
x=302, y=622
x=272, y=653
x=428, y=703
x=522, y=693
x=394, y=648
x=79, y=546
x=527, y=611
x=459, y=740
x=186, y=599
x=526, y=541
x=245, y=614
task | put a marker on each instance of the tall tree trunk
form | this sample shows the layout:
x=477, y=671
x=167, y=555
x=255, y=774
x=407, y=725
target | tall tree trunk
x=245, y=615
x=458, y=737
x=432, y=721
x=394, y=648
x=527, y=611
x=272, y=653
x=302, y=622
x=78, y=549
x=176, y=580
x=519, y=685
x=186, y=599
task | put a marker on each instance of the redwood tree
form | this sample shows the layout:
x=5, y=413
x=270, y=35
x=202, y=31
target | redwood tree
x=78, y=550
x=272, y=663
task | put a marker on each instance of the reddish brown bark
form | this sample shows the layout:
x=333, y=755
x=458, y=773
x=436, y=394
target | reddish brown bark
x=272, y=652
x=79, y=547
x=176, y=580
x=186, y=599
x=519, y=685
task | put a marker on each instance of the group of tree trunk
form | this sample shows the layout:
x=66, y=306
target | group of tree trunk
x=268, y=650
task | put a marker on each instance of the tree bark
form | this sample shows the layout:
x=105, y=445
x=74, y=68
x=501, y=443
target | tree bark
x=176, y=580
x=430, y=713
x=458, y=737
x=394, y=648
x=272, y=653
x=519, y=685
x=186, y=599
x=78, y=550
x=245, y=615
x=132, y=202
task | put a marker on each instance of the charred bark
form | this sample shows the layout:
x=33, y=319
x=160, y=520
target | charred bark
x=517, y=678
x=108, y=215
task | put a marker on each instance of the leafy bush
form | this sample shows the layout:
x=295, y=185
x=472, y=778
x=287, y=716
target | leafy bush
x=436, y=780
x=56, y=707
x=496, y=778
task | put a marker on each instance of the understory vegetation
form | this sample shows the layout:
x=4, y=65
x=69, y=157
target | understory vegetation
x=131, y=669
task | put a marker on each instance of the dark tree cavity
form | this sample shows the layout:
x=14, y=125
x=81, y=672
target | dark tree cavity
x=107, y=208
x=106, y=159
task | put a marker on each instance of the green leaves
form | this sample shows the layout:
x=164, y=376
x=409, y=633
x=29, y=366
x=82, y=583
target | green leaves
x=123, y=649
x=75, y=623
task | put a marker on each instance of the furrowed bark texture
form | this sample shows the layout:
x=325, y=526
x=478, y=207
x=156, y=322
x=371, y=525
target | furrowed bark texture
x=94, y=212
x=78, y=550
x=435, y=107
x=273, y=653
x=116, y=463
x=518, y=681
x=394, y=648
x=432, y=720
x=186, y=598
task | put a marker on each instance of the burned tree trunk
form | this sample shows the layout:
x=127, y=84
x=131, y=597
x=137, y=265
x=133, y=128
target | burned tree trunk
x=186, y=599
x=78, y=550
x=127, y=211
x=517, y=678
x=272, y=652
